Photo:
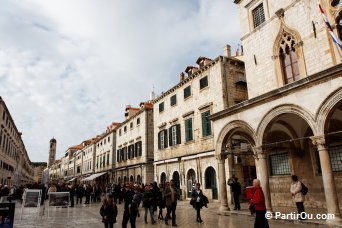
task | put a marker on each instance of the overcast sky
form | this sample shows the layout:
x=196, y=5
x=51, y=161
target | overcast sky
x=68, y=68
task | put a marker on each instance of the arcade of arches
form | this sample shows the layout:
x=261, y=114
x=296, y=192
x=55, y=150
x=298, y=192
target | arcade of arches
x=288, y=141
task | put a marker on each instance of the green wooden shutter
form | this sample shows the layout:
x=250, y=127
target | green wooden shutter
x=159, y=145
x=165, y=139
x=140, y=148
x=170, y=136
x=188, y=130
x=178, y=132
x=204, y=125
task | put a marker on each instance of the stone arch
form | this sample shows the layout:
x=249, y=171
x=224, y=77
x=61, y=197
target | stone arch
x=285, y=32
x=325, y=109
x=230, y=129
x=283, y=109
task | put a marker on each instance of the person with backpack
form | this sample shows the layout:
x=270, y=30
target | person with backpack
x=109, y=211
x=297, y=190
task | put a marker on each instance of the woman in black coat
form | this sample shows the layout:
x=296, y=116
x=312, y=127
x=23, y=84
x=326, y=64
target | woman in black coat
x=109, y=211
x=198, y=201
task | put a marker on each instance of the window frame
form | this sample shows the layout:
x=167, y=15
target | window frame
x=187, y=131
x=186, y=95
x=207, y=125
x=206, y=80
x=272, y=165
x=256, y=10
x=173, y=100
x=161, y=107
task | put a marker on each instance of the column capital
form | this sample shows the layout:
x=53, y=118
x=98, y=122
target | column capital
x=259, y=152
x=319, y=142
x=221, y=157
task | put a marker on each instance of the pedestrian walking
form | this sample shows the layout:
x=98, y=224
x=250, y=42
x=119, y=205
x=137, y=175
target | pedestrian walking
x=198, y=200
x=4, y=193
x=109, y=211
x=127, y=194
x=79, y=194
x=297, y=195
x=236, y=190
x=161, y=201
x=257, y=205
x=171, y=197
x=148, y=203
x=134, y=206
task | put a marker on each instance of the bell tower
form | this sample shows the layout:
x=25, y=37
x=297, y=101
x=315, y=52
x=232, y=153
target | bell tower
x=52, y=151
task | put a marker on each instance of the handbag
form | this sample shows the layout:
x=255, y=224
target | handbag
x=192, y=201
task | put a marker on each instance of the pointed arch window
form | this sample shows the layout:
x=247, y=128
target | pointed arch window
x=288, y=59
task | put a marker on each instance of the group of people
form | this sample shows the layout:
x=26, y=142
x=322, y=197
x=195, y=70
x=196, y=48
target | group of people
x=150, y=196
x=153, y=198
x=257, y=204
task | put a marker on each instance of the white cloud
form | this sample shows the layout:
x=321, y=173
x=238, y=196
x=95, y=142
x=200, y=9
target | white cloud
x=68, y=68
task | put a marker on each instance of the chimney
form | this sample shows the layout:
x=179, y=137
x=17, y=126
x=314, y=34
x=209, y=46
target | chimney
x=227, y=50
x=181, y=76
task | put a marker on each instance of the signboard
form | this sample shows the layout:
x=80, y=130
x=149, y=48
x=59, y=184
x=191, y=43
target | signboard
x=7, y=215
x=59, y=199
x=32, y=197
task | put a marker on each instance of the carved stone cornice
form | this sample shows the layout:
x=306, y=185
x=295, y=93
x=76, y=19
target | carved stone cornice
x=319, y=142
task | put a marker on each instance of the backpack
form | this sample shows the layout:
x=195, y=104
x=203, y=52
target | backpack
x=304, y=190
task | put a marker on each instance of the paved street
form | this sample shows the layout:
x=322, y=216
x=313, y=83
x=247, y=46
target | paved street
x=88, y=216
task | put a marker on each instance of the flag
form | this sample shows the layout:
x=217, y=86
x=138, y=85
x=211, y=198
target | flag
x=335, y=39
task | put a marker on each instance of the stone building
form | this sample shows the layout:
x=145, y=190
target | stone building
x=55, y=171
x=184, y=148
x=292, y=122
x=52, y=151
x=38, y=168
x=104, y=157
x=88, y=158
x=15, y=164
x=134, y=150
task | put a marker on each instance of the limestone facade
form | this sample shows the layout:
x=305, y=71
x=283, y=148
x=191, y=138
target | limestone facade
x=183, y=135
x=286, y=127
x=134, y=151
x=15, y=165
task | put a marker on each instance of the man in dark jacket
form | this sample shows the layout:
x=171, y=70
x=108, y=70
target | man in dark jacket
x=128, y=194
x=236, y=190
x=4, y=193
x=79, y=193
x=171, y=197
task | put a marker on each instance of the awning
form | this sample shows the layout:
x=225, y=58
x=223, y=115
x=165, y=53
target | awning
x=93, y=176
x=71, y=179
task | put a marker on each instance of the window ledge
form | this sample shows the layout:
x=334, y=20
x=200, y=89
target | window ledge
x=189, y=142
x=207, y=137
x=187, y=98
x=204, y=88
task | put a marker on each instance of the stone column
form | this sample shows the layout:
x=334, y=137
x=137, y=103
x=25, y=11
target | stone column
x=327, y=176
x=223, y=185
x=261, y=159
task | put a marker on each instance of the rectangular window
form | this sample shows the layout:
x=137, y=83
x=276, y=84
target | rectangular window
x=206, y=124
x=138, y=121
x=188, y=130
x=187, y=92
x=280, y=164
x=107, y=159
x=258, y=15
x=161, y=107
x=174, y=135
x=131, y=125
x=336, y=158
x=173, y=100
x=203, y=82
x=125, y=129
x=162, y=140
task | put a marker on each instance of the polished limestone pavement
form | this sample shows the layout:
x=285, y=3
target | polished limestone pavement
x=84, y=216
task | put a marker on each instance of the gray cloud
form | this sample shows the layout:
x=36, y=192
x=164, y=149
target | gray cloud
x=68, y=68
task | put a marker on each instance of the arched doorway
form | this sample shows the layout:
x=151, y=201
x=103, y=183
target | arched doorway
x=210, y=181
x=238, y=141
x=131, y=179
x=175, y=177
x=119, y=180
x=125, y=179
x=191, y=177
x=289, y=150
x=163, y=178
x=138, y=179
